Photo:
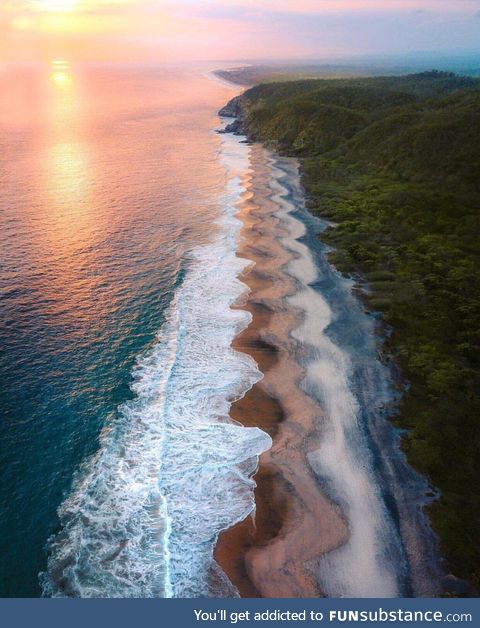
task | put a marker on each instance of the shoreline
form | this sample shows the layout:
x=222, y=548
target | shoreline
x=227, y=76
x=372, y=192
x=310, y=534
x=294, y=523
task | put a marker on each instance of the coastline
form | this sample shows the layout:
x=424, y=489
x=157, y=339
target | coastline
x=294, y=522
x=401, y=237
x=308, y=529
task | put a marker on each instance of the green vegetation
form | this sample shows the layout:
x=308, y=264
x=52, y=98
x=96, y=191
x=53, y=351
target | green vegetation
x=394, y=162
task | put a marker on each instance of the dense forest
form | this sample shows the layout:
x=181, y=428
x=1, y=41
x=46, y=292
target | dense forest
x=394, y=164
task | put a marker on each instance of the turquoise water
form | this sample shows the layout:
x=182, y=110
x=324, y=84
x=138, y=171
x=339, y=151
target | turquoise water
x=111, y=183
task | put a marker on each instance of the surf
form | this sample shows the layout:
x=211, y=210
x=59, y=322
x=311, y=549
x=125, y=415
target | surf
x=172, y=469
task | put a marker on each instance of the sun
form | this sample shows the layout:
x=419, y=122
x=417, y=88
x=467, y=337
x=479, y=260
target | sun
x=57, y=5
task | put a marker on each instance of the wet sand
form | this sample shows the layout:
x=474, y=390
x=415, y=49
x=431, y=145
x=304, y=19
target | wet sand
x=268, y=554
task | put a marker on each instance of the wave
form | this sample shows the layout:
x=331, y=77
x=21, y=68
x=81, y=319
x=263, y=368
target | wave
x=173, y=469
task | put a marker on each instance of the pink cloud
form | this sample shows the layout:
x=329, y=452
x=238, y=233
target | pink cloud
x=337, y=6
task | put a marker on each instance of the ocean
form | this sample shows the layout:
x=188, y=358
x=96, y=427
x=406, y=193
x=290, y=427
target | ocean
x=119, y=463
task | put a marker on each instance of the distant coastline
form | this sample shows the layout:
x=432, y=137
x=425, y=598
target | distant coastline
x=353, y=67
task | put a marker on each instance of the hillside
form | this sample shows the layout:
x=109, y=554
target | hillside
x=394, y=162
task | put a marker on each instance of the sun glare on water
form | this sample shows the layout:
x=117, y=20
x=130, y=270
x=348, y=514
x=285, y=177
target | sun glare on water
x=60, y=72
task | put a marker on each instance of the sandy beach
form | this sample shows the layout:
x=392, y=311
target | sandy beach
x=336, y=505
x=294, y=523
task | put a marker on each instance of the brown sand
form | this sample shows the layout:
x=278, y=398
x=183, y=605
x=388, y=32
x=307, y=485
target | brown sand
x=267, y=554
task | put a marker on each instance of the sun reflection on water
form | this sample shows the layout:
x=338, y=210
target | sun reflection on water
x=73, y=216
x=67, y=174
x=60, y=73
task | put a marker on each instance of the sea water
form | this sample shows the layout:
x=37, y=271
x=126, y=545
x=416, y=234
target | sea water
x=119, y=462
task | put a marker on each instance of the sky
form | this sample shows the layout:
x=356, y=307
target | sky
x=180, y=30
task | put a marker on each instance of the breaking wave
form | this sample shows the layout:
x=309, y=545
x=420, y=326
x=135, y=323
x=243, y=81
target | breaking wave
x=173, y=469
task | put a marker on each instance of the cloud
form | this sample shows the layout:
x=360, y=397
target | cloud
x=318, y=7
x=79, y=6
x=241, y=9
x=233, y=29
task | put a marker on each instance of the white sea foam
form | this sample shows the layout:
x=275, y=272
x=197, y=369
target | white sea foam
x=173, y=470
x=364, y=566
